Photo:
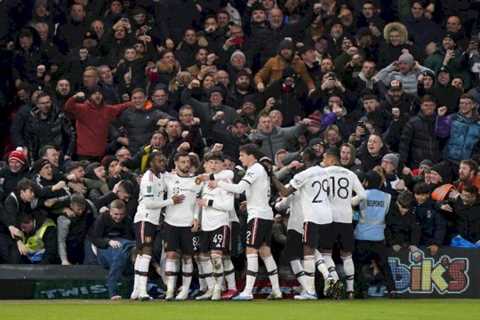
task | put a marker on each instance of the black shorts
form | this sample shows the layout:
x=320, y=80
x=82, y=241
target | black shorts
x=294, y=246
x=259, y=232
x=318, y=236
x=218, y=239
x=343, y=233
x=235, y=239
x=178, y=239
x=145, y=233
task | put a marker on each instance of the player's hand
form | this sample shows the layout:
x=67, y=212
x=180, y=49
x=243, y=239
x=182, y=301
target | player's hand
x=115, y=244
x=22, y=248
x=442, y=111
x=396, y=247
x=295, y=164
x=433, y=249
x=68, y=212
x=195, y=225
x=202, y=203
x=202, y=178
x=178, y=198
x=212, y=184
x=15, y=232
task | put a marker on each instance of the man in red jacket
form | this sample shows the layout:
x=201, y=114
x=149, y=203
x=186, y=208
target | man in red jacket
x=92, y=120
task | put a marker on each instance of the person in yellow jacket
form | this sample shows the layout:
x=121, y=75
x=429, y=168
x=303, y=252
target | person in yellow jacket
x=39, y=242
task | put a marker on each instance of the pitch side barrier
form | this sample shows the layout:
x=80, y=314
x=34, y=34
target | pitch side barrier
x=452, y=273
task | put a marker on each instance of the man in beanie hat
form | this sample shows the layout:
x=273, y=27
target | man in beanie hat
x=14, y=172
x=405, y=69
x=92, y=120
x=393, y=184
x=274, y=68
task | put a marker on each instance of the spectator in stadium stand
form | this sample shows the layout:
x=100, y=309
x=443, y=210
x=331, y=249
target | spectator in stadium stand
x=39, y=241
x=464, y=212
x=406, y=70
x=419, y=137
x=92, y=118
x=49, y=125
x=393, y=183
x=112, y=234
x=19, y=202
x=396, y=43
x=274, y=68
x=432, y=223
x=15, y=170
x=73, y=225
x=402, y=230
x=463, y=129
x=467, y=175
x=69, y=35
x=49, y=185
x=444, y=91
x=371, y=152
x=421, y=30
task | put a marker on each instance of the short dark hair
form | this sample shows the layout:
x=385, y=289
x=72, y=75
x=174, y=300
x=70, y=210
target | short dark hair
x=26, y=184
x=43, y=150
x=373, y=179
x=472, y=164
x=421, y=188
x=470, y=188
x=154, y=155
x=428, y=98
x=136, y=90
x=180, y=154
x=215, y=155
x=251, y=149
x=405, y=199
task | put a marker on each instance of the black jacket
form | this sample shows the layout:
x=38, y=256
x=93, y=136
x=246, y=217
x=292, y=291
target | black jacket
x=433, y=224
x=468, y=220
x=419, y=141
x=401, y=230
x=56, y=130
x=105, y=229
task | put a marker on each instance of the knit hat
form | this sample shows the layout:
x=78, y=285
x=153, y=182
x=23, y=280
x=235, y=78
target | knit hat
x=443, y=69
x=286, y=44
x=428, y=73
x=288, y=72
x=395, y=85
x=426, y=162
x=443, y=169
x=39, y=164
x=216, y=89
x=393, y=158
x=17, y=155
x=237, y=53
x=406, y=58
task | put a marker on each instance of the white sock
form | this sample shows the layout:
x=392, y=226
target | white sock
x=187, y=270
x=218, y=270
x=252, y=270
x=229, y=272
x=272, y=272
x=321, y=266
x=143, y=266
x=202, y=284
x=299, y=273
x=349, y=269
x=309, y=267
x=171, y=269
x=136, y=278
x=207, y=269
x=330, y=265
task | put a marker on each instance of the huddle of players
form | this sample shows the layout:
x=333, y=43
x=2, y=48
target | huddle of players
x=320, y=201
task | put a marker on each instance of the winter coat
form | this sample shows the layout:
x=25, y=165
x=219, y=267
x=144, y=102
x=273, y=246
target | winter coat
x=278, y=139
x=55, y=130
x=433, y=225
x=468, y=220
x=92, y=124
x=419, y=141
x=464, y=135
x=401, y=230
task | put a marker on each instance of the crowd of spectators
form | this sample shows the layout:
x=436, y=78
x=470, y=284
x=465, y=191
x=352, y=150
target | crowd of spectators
x=88, y=89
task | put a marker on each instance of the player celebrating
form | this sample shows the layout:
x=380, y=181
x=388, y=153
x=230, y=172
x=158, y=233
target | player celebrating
x=214, y=238
x=309, y=190
x=256, y=185
x=342, y=183
x=147, y=219
x=180, y=221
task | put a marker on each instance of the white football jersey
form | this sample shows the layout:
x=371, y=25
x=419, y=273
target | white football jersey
x=151, y=198
x=220, y=203
x=342, y=183
x=182, y=215
x=312, y=186
x=256, y=184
